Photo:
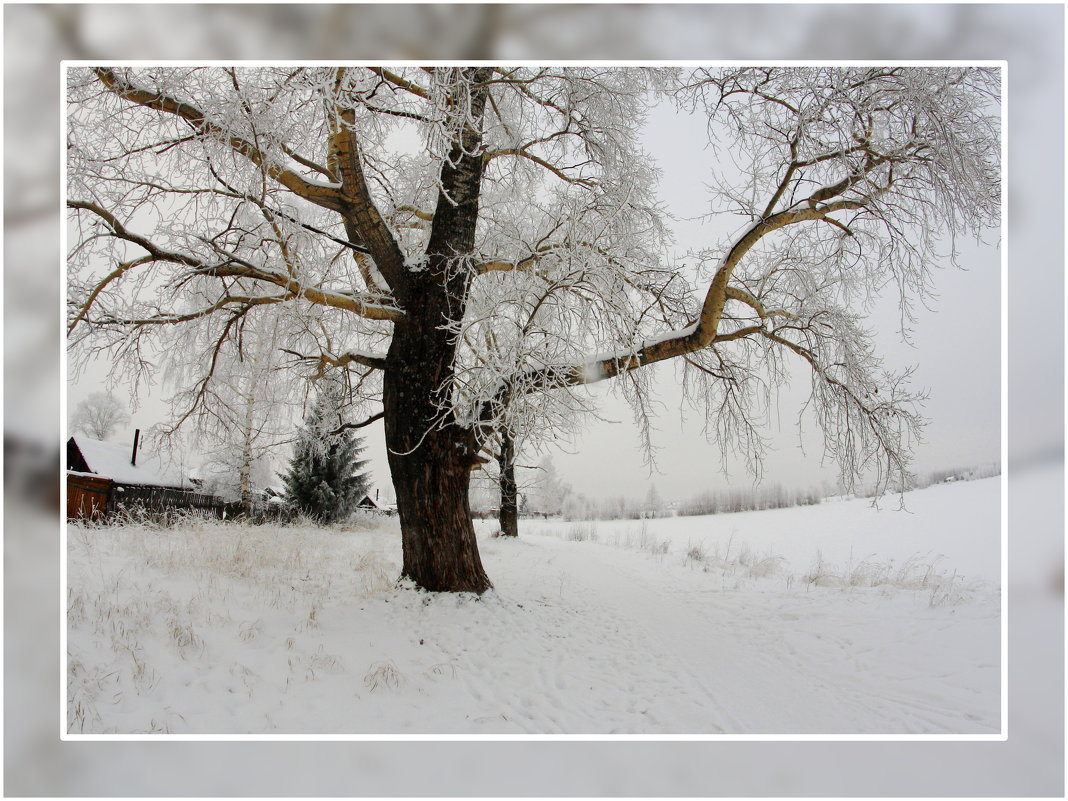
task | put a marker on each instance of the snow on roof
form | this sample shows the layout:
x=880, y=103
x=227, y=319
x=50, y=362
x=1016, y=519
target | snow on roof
x=112, y=460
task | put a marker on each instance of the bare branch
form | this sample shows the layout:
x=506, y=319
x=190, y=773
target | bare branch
x=363, y=221
x=231, y=266
x=326, y=196
x=558, y=171
x=362, y=424
x=373, y=361
x=400, y=82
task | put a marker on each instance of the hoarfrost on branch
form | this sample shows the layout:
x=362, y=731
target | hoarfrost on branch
x=503, y=223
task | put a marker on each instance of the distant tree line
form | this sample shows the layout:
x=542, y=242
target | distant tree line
x=774, y=496
x=751, y=499
x=947, y=476
x=547, y=494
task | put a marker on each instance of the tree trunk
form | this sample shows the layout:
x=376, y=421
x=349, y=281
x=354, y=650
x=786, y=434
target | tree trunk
x=430, y=461
x=509, y=514
x=430, y=455
x=245, y=480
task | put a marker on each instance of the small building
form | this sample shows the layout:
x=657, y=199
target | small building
x=272, y=497
x=372, y=505
x=103, y=477
x=121, y=464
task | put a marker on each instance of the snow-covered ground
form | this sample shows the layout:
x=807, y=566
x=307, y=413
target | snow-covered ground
x=838, y=618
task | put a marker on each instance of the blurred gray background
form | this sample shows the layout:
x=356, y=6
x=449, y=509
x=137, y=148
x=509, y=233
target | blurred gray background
x=37, y=37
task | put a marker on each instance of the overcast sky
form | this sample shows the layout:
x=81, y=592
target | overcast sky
x=955, y=346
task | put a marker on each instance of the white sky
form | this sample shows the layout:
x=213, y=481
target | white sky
x=955, y=346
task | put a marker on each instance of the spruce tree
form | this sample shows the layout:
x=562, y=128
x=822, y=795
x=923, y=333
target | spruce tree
x=324, y=479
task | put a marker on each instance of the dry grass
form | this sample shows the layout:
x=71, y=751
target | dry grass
x=383, y=676
x=141, y=593
x=739, y=562
x=916, y=574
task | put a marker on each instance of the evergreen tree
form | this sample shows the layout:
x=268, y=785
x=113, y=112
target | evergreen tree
x=324, y=479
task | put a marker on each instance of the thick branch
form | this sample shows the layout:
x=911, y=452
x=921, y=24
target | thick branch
x=736, y=293
x=234, y=267
x=698, y=335
x=363, y=221
x=425, y=216
x=400, y=82
x=498, y=265
x=716, y=297
x=326, y=196
x=456, y=210
x=370, y=308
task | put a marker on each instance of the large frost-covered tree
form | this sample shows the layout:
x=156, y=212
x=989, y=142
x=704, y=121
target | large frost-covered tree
x=473, y=241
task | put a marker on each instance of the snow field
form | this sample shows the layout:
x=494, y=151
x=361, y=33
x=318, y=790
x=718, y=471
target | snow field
x=837, y=619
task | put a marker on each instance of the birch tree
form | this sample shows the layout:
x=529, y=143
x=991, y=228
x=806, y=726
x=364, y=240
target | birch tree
x=475, y=241
x=239, y=413
x=238, y=453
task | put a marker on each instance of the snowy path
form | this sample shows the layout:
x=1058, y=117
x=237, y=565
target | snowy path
x=691, y=656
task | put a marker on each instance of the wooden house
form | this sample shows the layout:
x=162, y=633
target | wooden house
x=105, y=477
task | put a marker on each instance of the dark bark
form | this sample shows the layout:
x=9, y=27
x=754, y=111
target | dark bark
x=430, y=455
x=430, y=462
x=509, y=514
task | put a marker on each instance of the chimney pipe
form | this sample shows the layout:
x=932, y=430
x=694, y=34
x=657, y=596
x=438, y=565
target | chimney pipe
x=133, y=456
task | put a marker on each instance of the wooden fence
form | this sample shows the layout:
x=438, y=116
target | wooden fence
x=139, y=497
x=99, y=498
